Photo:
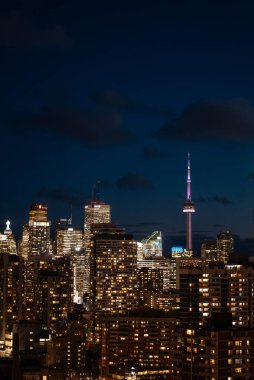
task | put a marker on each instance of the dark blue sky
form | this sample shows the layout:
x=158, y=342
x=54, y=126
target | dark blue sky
x=120, y=92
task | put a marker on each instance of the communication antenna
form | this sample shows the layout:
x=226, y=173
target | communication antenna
x=71, y=214
x=96, y=191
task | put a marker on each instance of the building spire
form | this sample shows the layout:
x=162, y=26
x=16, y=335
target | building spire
x=189, y=180
x=189, y=208
x=8, y=225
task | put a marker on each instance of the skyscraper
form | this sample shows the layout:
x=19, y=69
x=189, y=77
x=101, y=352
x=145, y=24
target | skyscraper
x=69, y=241
x=153, y=276
x=36, y=234
x=10, y=267
x=95, y=212
x=152, y=245
x=7, y=241
x=47, y=290
x=68, y=238
x=189, y=208
x=225, y=241
x=209, y=250
x=113, y=273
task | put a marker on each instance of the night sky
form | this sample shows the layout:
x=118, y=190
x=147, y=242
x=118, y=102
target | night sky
x=120, y=92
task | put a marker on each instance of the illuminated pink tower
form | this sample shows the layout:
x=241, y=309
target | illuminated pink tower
x=189, y=208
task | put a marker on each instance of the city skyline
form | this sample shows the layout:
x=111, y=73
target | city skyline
x=188, y=238
x=126, y=197
x=121, y=95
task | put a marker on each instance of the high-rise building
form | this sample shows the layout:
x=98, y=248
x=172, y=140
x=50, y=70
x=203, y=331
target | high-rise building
x=10, y=284
x=176, y=253
x=137, y=346
x=188, y=273
x=67, y=348
x=153, y=276
x=225, y=241
x=7, y=241
x=207, y=289
x=209, y=250
x=69, y=241
x=152, y=245
x=113, y=273
x=189, y=209
x=47, y=290
x=36, y=234
x=95, y=212
x=213, y=353
x=68, y=238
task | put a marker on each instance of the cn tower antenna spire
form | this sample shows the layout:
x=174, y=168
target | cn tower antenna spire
x=189, y=179
x=189, y=208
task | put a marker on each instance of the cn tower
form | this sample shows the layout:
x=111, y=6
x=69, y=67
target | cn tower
x=189, y=208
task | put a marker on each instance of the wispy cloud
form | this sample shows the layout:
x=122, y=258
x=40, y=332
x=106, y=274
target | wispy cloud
x=93, y=128
x=222, y=200
x=134, y=181
x=151, y=152
x=70, y=197
x=212, y=121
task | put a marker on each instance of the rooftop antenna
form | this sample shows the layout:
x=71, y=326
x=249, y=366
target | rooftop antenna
x=96, y=191
x=70, y=219
x=98, y=187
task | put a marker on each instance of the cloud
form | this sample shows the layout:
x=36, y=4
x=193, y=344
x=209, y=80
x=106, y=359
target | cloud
x=222, y=200
x=145, y=224
x=98, y=129
x=151, y=152
x=74, y=198
x=212, y=121
x=116, y=100
x=21, y=28
x=134, y=181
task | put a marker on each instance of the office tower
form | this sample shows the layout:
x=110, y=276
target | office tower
x=176, y=253
x=10, y=267
x=69, y=241
x=137, y=346
x=188, y=208
x=95, y=212
x=68, y=238
x=209, y=250
x=7, y=241
x=23, y=247
x=36, y=234
x=152, y=245
x=113, y=273
x=225, y=241
x=47, y=290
